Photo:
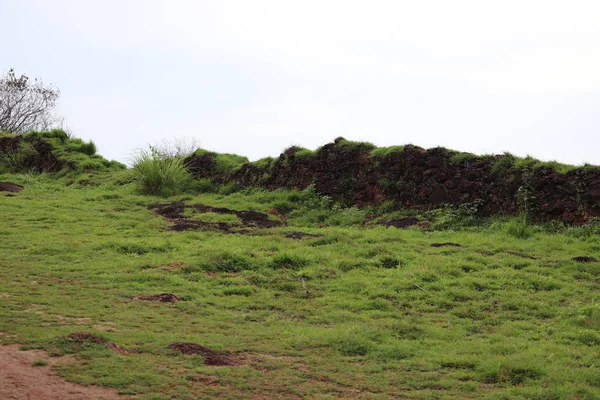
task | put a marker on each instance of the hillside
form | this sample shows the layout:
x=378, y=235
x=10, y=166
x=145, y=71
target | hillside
x=305, y=276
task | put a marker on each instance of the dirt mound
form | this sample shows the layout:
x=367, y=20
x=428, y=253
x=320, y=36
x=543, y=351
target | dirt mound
x=211, y=357
x=401, y=223
x=584, y=259
x=87, y=337
x=445, y=244
x=37, y=154
x=163, y=297
x=20, y=380
x=10, y=187
x=424, y=179
x=249, y=219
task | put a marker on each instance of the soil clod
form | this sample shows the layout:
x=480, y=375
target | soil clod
x=163, y=297
x=584, y=259
x=445, y=244
x=211, y=357
x=10, y=187
x=88, y=337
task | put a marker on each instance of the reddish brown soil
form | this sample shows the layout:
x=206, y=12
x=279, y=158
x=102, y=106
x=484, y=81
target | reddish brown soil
x=584, y=259
x=446, y=244
x=87, y=337
x=163, y=297
x=211, y=357
x=422, y=179
x=10, y=187
x=173, y=212
x=41, y=160
x=19, y=380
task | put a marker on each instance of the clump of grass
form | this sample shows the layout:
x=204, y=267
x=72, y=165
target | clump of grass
x=519, y=228
x=511, y=371
x=504, y=164
x=15, y=161
x=80, y=146
x=226, y=163
x=288, y=261
x=384, y=151
x=304, y=154
x=159, y=176
x=39, y=363
x=264, y=163
x=351, y=145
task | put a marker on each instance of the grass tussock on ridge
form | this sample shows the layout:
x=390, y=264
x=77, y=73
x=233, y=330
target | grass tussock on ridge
x=159, y=176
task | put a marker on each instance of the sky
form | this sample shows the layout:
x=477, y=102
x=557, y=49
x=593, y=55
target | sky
x=255, y=77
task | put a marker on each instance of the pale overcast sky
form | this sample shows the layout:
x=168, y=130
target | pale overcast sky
x=253, y=77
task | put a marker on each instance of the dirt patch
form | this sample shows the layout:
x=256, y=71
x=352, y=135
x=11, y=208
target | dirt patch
x=516, y=253
x=300, y=235
x=211, y=357
x=173, y=212
x=584, y=259
x=163, y=297
x=20, y=380
x=10, y=187
x=401, y=223
x=87, y=337
x=445, y=244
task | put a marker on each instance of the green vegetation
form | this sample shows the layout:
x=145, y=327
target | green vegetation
x=159, y=176
x=384, y=151
x=351, y=145
x=78, y=155
x=461, y=308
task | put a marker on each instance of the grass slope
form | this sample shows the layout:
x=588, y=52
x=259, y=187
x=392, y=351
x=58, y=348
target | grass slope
x=362, y=312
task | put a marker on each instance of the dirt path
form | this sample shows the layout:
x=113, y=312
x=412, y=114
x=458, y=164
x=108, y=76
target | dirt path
x=19, y=380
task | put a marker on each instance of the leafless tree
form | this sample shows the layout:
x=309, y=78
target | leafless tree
x=176, y=147
x=26, y=105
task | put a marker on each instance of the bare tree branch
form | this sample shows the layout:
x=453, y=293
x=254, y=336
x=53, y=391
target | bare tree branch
x=25, y=105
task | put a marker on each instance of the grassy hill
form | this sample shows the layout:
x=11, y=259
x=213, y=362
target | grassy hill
x=289, y=294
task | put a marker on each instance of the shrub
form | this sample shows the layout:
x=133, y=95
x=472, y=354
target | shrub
x=159, y=176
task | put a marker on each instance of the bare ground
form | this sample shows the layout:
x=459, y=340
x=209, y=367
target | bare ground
x=20, y=380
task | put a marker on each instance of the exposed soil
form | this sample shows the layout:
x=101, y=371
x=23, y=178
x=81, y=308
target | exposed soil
x=422, y=179
x=401, y=223
x=249, y=219
x=211, y=357
x=445, y=244
x=300, y=235
x=516, y=253
x=163, y=297
x=513, y=253
x=41, y=159
x=584, y=259
x=20, y=380
x=10, y=187
x=87, y=337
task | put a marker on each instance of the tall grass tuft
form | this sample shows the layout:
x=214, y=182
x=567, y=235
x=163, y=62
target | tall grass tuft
x=159, y=176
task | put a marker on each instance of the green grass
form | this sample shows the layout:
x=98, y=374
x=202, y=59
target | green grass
x=360, y=311
x=159, y=176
